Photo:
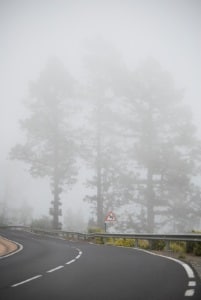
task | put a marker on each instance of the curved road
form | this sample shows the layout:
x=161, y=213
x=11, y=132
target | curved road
x=51, y=268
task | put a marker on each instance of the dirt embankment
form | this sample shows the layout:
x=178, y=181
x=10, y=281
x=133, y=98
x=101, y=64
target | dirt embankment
x=6, y=246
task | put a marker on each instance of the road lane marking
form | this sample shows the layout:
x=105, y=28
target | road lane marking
x=27, y=280
x=189, y=293
x=51, y=270
x=70, y=262
x=55, y=269
x=192, y=283
x=77, y=257
x=80, y=252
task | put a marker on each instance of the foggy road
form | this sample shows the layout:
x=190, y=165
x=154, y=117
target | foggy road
x=47, y=268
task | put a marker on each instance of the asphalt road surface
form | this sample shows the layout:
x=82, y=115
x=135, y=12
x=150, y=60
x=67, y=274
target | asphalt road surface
x=51, y=268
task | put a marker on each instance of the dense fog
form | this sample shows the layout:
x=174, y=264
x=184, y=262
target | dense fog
x=100, y=111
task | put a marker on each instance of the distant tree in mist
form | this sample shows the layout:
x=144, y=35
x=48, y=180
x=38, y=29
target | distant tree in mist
x=103, y=65
x=141, y=143
x=134, y=133
x=163, y=142
x=43, y=222
x=49, y=147
x=74, y=221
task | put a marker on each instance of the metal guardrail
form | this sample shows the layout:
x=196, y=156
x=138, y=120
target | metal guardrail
x=189, y=237
x=144, y=236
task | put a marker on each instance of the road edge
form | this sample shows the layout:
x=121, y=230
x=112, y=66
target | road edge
x=188, y=269
x=19, y=248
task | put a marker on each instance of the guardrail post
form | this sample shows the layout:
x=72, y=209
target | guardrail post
x=151, y=244
x=167, y=245
x=136, y=243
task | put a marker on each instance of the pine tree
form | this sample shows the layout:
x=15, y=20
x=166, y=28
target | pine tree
x=101, y=145
x=50, y=146
x=163, y=142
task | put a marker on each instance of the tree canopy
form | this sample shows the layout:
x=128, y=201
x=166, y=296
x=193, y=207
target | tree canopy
x=138, y=141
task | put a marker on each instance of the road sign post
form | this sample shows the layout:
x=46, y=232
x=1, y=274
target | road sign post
x=110, y=218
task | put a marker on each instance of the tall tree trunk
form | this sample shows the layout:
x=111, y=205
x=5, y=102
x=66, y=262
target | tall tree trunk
x=99, y=198
x=56, y=211
x=100, y=222
x=150, y=202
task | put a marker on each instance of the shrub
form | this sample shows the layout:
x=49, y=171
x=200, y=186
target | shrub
x=196, y=245
x=95, y=230
x=189, y=247
x=144, y=244
x=110, y=241
x=197, y=249
x=178, y=247
x=98, y=240
x=158, y=245
x=125, y=242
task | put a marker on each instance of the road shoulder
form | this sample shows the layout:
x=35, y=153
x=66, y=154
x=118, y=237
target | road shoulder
x=7, y=246
x=194, y=261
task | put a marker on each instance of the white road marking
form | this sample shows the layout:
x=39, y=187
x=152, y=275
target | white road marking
x=20, y=247
x=189, y=293
x=192, y=283
x=27, y=280
x=189, y=271
x=70, y=262
x=77, y=257
x=55, y=269
x=49, y=271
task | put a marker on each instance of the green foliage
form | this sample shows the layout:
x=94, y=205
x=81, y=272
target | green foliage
x=125, y=242
x=189, y=247
x=158, y=245
x=110, y=241
x=144, y=244
x=95, y=230
x=197, y=249
x=178, y=247
x=197, y=245
x=98, y=240
x=194, y=247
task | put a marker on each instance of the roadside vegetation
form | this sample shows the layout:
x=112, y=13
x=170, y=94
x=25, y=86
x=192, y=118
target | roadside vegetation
x=179, y=247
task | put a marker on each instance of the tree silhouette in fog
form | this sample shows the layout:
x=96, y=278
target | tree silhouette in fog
x=49, y=148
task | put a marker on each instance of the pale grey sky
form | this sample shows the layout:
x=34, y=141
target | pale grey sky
x=32, y=31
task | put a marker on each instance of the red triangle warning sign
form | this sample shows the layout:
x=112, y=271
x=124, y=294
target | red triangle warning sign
x=110, y=217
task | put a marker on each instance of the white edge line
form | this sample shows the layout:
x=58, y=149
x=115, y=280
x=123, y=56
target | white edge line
x=192, y=283
x=187, y=268
x=25, y=281
x=189, y=293
x=55, y=269
x=20, y=247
